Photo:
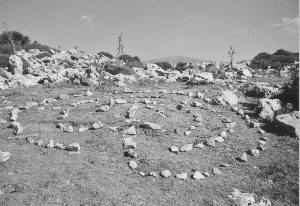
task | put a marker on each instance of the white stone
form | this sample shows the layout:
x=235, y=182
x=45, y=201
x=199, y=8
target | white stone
x=254, y=152
x=174, y=149
x=165, y=173
x=244, y=158
x=150, y=125
x=181, y=176
x=129, y=143
x=187, y=133
x=132, y=164
x=198, y=176
x=4, y=156
x=130, y=131
x=186, y=147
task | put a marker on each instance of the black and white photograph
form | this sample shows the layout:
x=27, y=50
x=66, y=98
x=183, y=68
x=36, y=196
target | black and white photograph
x=149, y=103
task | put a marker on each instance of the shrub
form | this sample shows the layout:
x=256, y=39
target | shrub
x=17, y=38
x=38, y=46
x=4, y=60
x=42, y=55
x=8, y=48
x=113, y=69
x=164, y=65
x=181, y=66
x=127, y=58
x=277, y=60
x=108, y=55
x=135, y=64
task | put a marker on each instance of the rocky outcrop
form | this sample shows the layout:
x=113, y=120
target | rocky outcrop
x=289, y=123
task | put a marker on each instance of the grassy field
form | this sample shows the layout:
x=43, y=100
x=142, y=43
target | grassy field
x=99, y=174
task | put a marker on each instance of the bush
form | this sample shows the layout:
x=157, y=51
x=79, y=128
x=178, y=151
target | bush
x=8, y=48
x=127, y=58
x=164, y=65
x=277, y=60
x=181, y=66
x=42, y=55
x=38, y=46
x=113, y=69
x=17, y=38
x=108, y=55
x=4, y=60
x=135, y=64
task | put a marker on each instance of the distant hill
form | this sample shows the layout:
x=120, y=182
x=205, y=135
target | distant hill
x=173, y=60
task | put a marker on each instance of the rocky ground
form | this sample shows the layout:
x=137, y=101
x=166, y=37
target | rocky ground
x=147, y=144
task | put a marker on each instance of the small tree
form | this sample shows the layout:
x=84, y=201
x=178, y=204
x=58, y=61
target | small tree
x=120, y=46
x=231, y=52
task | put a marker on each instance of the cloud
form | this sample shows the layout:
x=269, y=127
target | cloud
x=288, y=26
x=239, y=31
x=87, y=18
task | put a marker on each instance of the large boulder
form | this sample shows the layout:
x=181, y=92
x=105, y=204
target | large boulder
x=268, y=108
x=228, y=97
x=289, y=123
x=16, y=62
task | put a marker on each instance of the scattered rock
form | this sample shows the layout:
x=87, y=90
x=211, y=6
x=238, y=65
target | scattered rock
x=104, y=108
x=243, y=158
x=131, y=153
x=70, y=129
x=181, y=176
x=186, y=147
x=132, y=164
x=82, y=129
x=187, y=133
x=4, y=156
x=261, y=145
x=30, y=140
x=129, y=143
x=206, y=174
x=130, y=131
x=59, y=146
x=211, y=142
x=50, y=145
x=150, y=125
x=74, y=147
x=174, y=149
x=39, y=142
x=153, y=174
x=216, y=171
x=121, y=101
x=165, y=173
x=61, y=126
x=219, y=139
x=253, y=152
x=197, y=176
x=97, y=125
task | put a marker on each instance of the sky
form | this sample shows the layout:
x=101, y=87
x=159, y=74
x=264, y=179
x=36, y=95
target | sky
x=203, y=29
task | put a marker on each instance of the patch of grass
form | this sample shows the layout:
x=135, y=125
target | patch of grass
x=284, y=176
